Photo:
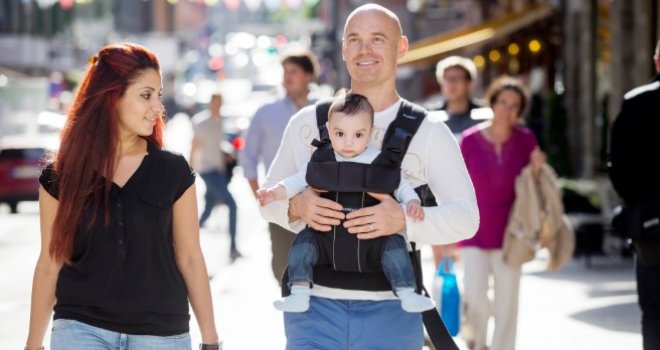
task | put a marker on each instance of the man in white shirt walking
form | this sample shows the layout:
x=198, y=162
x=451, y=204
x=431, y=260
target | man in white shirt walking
x=341, y=318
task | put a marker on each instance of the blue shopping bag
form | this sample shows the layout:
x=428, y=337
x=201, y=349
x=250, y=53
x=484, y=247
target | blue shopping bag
x=447, y=295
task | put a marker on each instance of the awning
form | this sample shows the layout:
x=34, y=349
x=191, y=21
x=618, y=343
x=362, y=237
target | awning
x=430, y=49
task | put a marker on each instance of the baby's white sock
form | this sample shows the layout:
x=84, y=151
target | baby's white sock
x=298, y=301
x=413, y=302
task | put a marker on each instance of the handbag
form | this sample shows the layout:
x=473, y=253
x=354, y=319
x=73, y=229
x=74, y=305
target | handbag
x=447, y=296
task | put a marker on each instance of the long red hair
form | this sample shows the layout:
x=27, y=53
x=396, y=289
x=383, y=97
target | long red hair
x=90, y=138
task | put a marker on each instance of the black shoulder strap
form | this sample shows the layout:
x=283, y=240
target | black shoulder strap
x=407, y=121
x=435, y=326
x=399, y=134
x=322, y=108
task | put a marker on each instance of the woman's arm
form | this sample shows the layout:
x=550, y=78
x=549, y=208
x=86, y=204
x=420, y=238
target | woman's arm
x=190, y=261
x=45, y=274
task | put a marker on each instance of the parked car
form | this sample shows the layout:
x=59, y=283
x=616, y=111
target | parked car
x=21, y=160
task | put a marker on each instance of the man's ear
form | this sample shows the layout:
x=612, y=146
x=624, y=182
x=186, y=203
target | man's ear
x=403, y=46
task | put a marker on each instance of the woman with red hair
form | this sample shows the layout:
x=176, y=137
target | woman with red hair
x=120, y=255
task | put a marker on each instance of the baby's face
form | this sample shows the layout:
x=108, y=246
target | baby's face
x=349, y=134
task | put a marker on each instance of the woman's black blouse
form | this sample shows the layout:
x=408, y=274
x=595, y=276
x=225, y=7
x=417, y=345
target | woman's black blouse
x=123, y=276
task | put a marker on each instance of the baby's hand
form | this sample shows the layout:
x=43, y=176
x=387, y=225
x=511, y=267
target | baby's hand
x=414, y=210
x=265, y=196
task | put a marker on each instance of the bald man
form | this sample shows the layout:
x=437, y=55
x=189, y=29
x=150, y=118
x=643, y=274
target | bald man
x=341, y=318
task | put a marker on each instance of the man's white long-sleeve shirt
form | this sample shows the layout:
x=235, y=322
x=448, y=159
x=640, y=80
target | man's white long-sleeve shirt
x=433, y=158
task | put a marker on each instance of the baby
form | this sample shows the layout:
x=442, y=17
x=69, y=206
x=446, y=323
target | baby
x=349, y=125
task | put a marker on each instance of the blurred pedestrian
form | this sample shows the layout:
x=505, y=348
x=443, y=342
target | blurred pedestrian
x=120, y=255
x=372, y=45
x=456, y=76
x=495, y=153
x=265, y=134
x=209, y=161
x=635, y=178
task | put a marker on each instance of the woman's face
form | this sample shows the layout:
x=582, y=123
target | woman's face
x=140, y=106
x=506, y=108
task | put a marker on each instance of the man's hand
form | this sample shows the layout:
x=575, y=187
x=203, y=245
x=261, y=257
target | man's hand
x=382, y=219
x=318, y=213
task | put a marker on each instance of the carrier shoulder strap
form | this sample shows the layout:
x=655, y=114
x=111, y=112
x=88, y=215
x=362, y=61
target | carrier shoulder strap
x=322, y=108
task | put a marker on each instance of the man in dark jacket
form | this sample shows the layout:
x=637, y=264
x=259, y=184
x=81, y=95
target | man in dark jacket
x=633, y=158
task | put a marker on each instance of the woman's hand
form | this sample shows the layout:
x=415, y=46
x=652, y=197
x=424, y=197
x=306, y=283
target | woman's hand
x=317, y=212
x=382, y=219
x=537, y=159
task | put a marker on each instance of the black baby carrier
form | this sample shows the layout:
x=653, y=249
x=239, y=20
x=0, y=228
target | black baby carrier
x=344, y=261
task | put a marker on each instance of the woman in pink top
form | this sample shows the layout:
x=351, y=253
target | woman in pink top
x=495, y=153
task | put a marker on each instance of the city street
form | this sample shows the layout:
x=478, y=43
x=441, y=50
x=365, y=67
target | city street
x=578, y=308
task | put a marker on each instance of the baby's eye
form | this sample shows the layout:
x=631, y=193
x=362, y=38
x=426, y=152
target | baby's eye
x=359, y=135
x=339, y=133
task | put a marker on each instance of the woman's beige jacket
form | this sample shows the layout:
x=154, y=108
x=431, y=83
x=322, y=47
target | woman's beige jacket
x=537, y=221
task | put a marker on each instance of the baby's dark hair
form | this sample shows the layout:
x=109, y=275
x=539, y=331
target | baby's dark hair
x=351, y=104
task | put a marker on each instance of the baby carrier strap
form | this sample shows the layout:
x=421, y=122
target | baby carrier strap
x=400, y=132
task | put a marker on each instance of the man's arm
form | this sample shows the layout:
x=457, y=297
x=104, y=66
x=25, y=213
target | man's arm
x=456, y=217
x=254, y=185
x=620, y=156
x=250, y=155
